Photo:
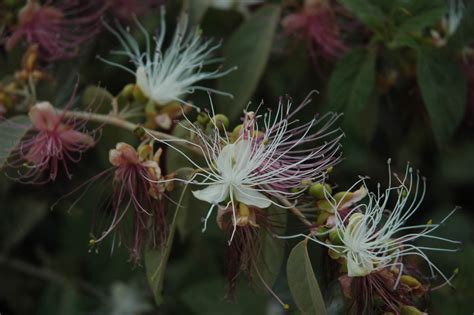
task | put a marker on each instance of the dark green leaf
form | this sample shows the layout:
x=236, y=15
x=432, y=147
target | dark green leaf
x=156, y=259
x=443, y=88
x=24, y=215
x=11, y=132
x=187, y=221
x=196, y=10
x=248, y=49
x=302, y=281
x=416, y=15
x=97, y=97
x=352, y=81
x=366, y=11
x=272, y=250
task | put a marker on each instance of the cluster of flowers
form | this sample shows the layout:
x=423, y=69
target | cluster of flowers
x=270, y=160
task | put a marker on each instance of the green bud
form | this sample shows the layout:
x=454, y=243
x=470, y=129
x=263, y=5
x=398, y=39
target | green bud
x=410, y=310
x=236, y=132
x=220, y=121
x=410, y=281
x=325, y=206
x=127, y=91
x=335, y=238
x=322, y=217
x=202, y=118
x=317, y=190
x=138, y=95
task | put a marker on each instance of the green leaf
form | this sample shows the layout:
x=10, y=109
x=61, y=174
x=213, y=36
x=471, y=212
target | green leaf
x=366, y=11
x=196, y=10
x=443, y=88
x=302, y=281
x=156, y=259
x=352, y=81
x=248, y=49
x=413, y=17
x=97, y=97
x=11, y=132
x=272, y=250
x=420, y=14
x=187, y=221
x=23, y=215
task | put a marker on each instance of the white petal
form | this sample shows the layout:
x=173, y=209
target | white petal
x=213, y=193
x=355, y=269
x=252, y=197
x=242, y=152
x=224, y=160
x=142, y=81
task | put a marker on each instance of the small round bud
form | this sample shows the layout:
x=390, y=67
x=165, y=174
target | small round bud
x=202, y=118
x=410, y=310
x=410, y=281
x=138, y=95
x=318, y=190
x=334, y=237
x=220, y=121
x=236, y=132
x=127, y=91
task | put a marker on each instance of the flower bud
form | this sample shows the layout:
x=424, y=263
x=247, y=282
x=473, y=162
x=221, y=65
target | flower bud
x=220, y=121
x=138, y=94
x=410, y=310
x=318, y=190
x=127, y=91
x=410, y=281
x=335, y=237
x=202, y=118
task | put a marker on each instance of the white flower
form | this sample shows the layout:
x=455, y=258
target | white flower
x=239, y=5
x=372, y=236
x=256, y=165
x=168, y=76
x=454, y=16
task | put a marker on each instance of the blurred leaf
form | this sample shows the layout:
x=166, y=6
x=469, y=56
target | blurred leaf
x=352, y=81
x=456, y=165
x=156, y=260
x=416, y=15
x=443, y=88
x=248, y=49
x=189, y=220
x=11, y=132
x=59, y=300
x=302, y=281
x=25, y=213
x=196, y=10
x=98, y=98
x=272, y=250
x=207, y=298
x=366, y=11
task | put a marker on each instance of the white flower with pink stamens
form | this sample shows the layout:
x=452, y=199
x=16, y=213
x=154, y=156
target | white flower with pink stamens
x=372, y=237
x=263, y=163
x=166, y=76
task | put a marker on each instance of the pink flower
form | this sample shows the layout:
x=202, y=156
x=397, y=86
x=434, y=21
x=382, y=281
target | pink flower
x=53, y=141
x=126, y=9
x=135, y=189
x=58, y=29
x=316, y=23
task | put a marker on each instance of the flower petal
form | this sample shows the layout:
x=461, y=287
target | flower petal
x=43, y=116
x=213, y=193
x=252, y=197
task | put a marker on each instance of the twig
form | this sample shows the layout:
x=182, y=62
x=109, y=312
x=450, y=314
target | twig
x=49, y=275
